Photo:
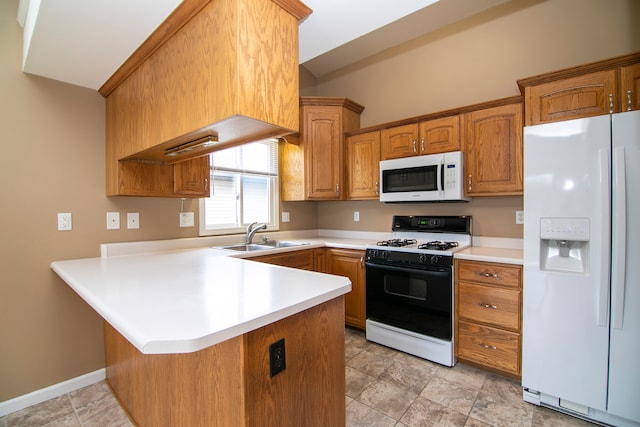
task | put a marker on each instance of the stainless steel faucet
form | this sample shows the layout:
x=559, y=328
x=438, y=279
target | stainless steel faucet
x=251, y=231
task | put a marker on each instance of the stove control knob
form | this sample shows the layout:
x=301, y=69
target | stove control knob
x=435, y=259
x=422, y=258
x=384, y=254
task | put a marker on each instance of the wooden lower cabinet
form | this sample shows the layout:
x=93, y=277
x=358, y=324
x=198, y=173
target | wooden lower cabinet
x=488, y=319
x=350, y=263
x=302, y=259
x=229, y=384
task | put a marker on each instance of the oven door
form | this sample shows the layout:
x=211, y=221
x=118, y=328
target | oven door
x=411, y=299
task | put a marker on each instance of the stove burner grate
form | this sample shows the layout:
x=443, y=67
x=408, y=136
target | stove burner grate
x=438, y=245
x=397, y=242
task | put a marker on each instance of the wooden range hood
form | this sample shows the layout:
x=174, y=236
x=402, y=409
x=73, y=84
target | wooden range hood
x=215, y=74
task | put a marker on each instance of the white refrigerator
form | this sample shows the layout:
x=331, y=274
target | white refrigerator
x=581, y=298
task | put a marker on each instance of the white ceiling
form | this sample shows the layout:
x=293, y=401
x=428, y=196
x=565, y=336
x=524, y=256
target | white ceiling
x=83, y=42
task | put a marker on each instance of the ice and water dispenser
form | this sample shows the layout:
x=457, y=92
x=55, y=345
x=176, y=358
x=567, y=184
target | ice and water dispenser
x=564, y=244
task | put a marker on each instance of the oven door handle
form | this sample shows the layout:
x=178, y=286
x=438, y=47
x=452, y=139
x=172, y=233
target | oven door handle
x=405, y=269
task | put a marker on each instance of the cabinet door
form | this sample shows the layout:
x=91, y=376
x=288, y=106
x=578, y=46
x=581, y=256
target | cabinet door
x=493, y=151
x=440, y=135
x=572, y=98
x=630, y=87
x=324, y=160
x=399, y=141
x=302, y=259
x=363, y=166
x=350, y=263
x=191, y=177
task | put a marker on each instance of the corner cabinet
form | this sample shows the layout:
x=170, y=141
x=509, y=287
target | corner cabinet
x=214, y=74
x=488, y=299
x=318, y=159
x=363, y=166
x=493, y=151
x=350, y=263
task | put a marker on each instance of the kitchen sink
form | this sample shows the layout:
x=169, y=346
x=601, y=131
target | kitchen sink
x=247, y=248
x=270, y=244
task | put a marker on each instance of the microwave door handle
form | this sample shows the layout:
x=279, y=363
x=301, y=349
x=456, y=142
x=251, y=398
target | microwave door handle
x=441, y=183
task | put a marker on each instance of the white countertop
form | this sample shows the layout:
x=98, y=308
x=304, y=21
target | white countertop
x=184, y=301
x=490, y=254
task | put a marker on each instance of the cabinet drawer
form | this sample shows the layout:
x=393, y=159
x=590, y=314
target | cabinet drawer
x=499, y=307
x=489, y=346
x=302, y=260
x=490, y=273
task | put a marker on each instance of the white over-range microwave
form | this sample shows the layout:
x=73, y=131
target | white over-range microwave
x=429, y=178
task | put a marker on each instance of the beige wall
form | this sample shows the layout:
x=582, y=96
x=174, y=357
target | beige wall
x=476, y=60
x=52, y=138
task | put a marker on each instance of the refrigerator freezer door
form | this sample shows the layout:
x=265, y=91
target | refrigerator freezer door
x=565, y=313
x=624, y=370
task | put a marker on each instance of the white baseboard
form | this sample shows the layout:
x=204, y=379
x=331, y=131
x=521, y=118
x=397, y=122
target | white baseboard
x=38, y=396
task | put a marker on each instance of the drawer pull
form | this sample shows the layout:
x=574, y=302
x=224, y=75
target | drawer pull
x=488, y=306
x=489, y=347
x=480, y=273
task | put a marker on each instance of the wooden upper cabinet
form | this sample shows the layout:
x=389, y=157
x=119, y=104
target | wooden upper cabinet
x=630, y=87
x=493, y=151
x=399, y=141
x=313, y=163
x=229, y=72
x=598, y=88
x=440, y=135
x=582, y=96
x=191, y=177
x=363, y=166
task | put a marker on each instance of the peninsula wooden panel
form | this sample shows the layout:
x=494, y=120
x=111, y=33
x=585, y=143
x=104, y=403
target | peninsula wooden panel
x=311, y=390
x=229, y=384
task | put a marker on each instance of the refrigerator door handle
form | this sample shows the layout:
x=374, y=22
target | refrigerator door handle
x=619, y=238
x=603, y=287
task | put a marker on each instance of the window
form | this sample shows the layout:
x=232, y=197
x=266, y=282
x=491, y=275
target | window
x=244, y=189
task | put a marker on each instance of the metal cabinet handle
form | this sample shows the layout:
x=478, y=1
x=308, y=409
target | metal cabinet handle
x=422, y=145
x=469, y=182
x=610, y=103
x=206, y=185
x=415, y=148
x=337, y=189
x=362, y=261
x=494, y=307
x=629, y=100
x=377, y=189
x=488, y=347
x=485, y=274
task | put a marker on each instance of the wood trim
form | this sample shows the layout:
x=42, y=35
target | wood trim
x=178, y=18
x=328, y=101
x=591, y=67
x=440, y=114
x=296, y=8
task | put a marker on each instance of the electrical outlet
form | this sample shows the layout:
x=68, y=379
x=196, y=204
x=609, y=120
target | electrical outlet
x=286, y=217
x=277, y=359
x=64, y=222
x=186, y=219
x=356, y=216
x=133, y=220
x=113, y=220
x=519, y=217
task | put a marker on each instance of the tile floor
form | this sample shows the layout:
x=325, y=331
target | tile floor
x=384, y=388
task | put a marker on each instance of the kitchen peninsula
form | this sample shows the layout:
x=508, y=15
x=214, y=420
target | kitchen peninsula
x=188, y=336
